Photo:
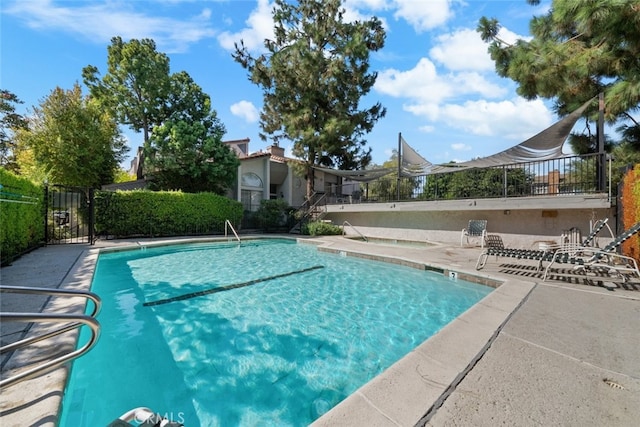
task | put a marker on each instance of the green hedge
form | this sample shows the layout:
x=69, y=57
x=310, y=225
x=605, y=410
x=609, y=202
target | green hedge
x=319, y=228
x=274, y=215
x=163, y=213
x=21, y=216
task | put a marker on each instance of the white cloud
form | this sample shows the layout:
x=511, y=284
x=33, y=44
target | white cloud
x=421, y=82
x=367, y=4
x=246, y=110
x=462, y=50
x=352, y=14
x=99, y=22
x=474, y=83
x=461, y=147
x=430, y=110
x=424, y=15
x=259, y=27
x=456, y=84
x=426, y=90
x=427, y=129
x=510, y=37
x=516, y=119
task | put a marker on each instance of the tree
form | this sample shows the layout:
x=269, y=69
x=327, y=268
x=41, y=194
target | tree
x=72, y=140
x=135, y=88
x=490, y=182
x=186, y=151
x=579, y=49
x=389, y=187
x=313, y=77
x=9, y=122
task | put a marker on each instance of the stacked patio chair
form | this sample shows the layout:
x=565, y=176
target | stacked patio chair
x=605, y=260
x=497, y=249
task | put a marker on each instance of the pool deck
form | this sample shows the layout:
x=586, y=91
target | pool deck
x=560, y=352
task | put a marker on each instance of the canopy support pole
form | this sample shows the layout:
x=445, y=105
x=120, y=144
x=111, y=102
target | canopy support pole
x=399, y=165
x=602, y=165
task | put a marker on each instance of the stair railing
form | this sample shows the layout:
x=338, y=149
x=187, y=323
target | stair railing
x=354, y=229
x=307, y=209
x=227, y=225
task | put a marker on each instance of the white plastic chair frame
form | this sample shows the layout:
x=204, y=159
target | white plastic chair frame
x=476, y=228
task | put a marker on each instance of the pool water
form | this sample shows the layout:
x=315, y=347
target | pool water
x=268, y=332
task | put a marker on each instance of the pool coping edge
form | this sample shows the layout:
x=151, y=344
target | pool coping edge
x=391, y=398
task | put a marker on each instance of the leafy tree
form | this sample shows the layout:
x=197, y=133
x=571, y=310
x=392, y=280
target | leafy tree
x=186, y=151
x=313, y=77
x=9, y=121
x=135, y=88
x=437, y=186
x=486, y=182
x=386, y=188
x=183, y=146
x=579, y=49
x=122, y=175
x=490, y=182
x=72, y=140
x=273, y=215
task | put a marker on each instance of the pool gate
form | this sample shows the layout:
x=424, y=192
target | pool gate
x=69, y=214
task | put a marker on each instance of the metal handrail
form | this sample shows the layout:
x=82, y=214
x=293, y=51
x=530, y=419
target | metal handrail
x=354, y=229
x=97, y=302
x=73, y=321
x=307, y=209
x=227, y=224
x=79, y=319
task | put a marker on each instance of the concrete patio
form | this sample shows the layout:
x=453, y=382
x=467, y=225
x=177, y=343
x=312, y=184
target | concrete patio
x=560, y=352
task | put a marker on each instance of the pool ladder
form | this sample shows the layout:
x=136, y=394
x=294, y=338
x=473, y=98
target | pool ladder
x=71, y=321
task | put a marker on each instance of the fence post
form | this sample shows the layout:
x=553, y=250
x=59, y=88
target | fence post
x=92, y=216
x=46, y=213
x=505, y=184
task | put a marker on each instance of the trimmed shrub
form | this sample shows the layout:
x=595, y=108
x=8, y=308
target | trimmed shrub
x=319, y=228
x=163, y=213
x=274, y=215
x=21, y=216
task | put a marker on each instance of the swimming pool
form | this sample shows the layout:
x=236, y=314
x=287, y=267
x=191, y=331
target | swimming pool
x=268, y=332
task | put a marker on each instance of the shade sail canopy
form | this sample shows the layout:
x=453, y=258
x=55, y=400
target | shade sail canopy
x=545, y=145
x=364, y=175
x=413, y=164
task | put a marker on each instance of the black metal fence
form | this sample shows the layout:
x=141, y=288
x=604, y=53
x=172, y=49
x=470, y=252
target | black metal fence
x=69, y=214
x=569, y=175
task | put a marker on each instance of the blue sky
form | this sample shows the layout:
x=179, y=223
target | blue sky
x=435, y=76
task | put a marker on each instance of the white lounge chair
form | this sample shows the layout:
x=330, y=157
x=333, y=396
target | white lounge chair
x=598, y=260
x=497, y=249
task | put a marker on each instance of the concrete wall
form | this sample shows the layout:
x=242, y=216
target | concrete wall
x=520, y=223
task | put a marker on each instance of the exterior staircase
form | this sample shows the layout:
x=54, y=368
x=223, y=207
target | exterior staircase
x=314, y=209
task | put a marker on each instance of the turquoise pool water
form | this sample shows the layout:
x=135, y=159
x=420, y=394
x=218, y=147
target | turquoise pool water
x=266, y=333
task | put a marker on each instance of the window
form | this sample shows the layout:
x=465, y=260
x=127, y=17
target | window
x=252, y=190
x=251, y=200
x=250, y=179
